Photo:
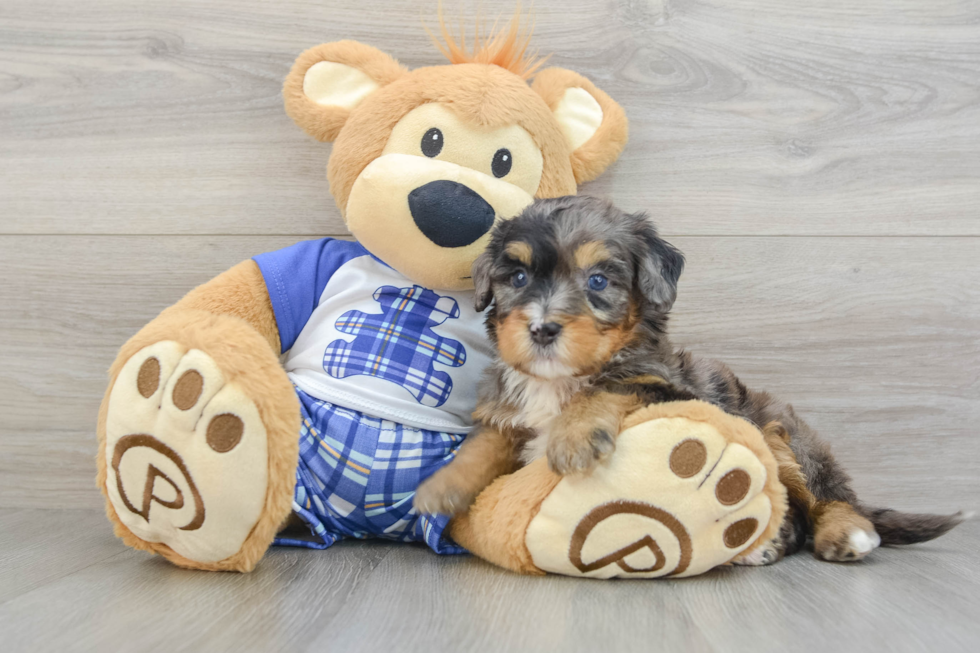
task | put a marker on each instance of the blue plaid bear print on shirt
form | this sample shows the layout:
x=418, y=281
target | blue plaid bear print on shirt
x=398, y=344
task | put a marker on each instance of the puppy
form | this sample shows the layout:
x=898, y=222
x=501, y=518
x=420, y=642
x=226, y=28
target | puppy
x=581, y=292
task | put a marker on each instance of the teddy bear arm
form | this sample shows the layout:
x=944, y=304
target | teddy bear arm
x=494, y=527
x=198, y=429
x=238, y=292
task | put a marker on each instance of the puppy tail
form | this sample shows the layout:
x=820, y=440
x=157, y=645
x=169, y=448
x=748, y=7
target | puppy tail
x=896, y=527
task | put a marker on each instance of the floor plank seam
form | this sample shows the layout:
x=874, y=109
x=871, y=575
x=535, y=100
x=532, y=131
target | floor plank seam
x=91, y=564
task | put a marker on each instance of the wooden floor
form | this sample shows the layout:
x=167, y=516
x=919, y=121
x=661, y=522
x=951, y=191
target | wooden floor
x=818, y=162
x=65, y=584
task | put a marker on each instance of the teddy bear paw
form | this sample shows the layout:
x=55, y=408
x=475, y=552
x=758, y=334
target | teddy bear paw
x=186, y=453
x=677, y=498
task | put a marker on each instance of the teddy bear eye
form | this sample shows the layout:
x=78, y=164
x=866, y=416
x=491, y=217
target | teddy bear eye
x=432, y=143
x=502, y=161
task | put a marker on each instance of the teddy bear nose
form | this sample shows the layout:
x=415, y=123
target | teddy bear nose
x=450, y=214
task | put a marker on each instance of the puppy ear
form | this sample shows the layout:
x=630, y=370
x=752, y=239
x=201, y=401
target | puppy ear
x=595, y=127
x=329, y=80
x=659, y=266
x=481, y=281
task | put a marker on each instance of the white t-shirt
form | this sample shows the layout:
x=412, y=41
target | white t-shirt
x=358, y=334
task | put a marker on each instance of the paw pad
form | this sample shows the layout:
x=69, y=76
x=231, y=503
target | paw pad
x=739, y=533
x=688, y=458
x=225, y=432
x=677, y=498
x=733, y=487
x=148, y=378
x=188, y=389
x=186, y=453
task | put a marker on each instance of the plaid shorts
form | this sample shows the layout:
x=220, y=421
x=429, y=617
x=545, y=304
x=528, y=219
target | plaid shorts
x=357, y=477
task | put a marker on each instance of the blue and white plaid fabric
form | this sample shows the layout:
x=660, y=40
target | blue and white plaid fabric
x=398, y=344
x=357, y=477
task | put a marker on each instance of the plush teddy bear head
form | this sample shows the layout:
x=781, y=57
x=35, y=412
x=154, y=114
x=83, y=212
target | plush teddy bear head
x=426, y=161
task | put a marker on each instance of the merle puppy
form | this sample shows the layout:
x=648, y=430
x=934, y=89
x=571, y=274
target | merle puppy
x=581, y=293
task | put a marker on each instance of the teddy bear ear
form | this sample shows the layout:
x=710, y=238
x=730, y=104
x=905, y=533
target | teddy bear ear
x=595, y=127
x=329, y=80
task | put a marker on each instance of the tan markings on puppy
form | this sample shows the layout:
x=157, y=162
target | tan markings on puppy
x=581, y=343
x=790, y=473
x=585, y=432
x=591, y=253
x=513, y=341
x=483, y=456
x=496, y=412
x=519, y=251
x=776, y=430
x=840, y=533
x=587, y=347
x=615, y=338
x=645, y=379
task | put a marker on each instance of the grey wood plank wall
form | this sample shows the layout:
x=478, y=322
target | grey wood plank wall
x=818, y=162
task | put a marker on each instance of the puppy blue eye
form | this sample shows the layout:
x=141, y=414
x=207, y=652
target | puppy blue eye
x=598, y=282
x=519, y=279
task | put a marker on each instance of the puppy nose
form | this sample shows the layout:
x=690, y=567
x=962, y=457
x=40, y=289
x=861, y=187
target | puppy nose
x=450, y=214
x=545, y=334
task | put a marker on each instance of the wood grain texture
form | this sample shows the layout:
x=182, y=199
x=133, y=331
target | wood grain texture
x=762, y=117
x=819, y=163
x=875, y=340
x=122, y=594
x=369, y=596
x=34, y=551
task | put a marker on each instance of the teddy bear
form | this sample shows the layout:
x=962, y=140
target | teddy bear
x=322, y=383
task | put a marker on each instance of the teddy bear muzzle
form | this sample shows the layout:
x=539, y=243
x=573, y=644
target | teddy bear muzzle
x=427, y=218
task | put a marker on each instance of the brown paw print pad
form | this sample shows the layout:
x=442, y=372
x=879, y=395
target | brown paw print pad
x=739, y=532
x=733, y=487
x=188, y=389
x=225, y=430
x=690, y=457
x=148, y=378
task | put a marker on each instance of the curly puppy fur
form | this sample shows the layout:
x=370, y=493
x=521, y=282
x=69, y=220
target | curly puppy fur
x=581, y=292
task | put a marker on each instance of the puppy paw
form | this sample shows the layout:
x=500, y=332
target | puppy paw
x=848, y=545
x=572, y=453
x=441, y=494
x=762, y=556
x=842, y=535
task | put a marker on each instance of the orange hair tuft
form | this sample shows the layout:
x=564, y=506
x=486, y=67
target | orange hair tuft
x=505, y=48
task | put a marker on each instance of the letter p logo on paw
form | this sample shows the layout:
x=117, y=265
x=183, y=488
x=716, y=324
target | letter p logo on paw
x=145, y=447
